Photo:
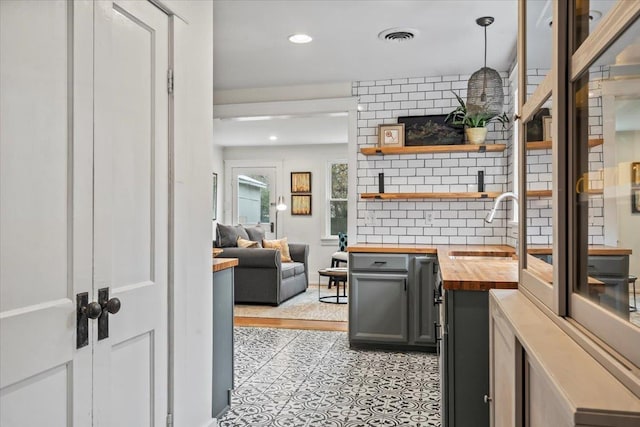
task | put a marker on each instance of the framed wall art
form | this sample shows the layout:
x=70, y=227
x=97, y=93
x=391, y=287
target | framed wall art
x=635, y=174
x=546, y=128
x=430, y=130
x=301, y=182
x=635, y=200
x=301, y=204
x=391, y=135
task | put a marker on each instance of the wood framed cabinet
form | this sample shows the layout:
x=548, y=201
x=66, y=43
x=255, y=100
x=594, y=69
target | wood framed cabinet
x=392, y=300
x=540, y=377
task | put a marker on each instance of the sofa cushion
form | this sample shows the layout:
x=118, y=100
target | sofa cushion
x=244, y=243
x=227, y=235
x=256, y=234
x=291, y=269
x=282, y=245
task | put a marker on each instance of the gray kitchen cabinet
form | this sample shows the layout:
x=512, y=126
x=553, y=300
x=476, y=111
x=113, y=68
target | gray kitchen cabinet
x=222, y=309
x=424, y=304
x=465, y=352
x=391, y=300
x=381, y=300
x=613, y=271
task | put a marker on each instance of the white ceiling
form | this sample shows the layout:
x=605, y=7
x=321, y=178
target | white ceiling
x=251, y=50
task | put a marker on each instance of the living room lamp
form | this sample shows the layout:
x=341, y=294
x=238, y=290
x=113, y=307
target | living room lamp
x=280, y=206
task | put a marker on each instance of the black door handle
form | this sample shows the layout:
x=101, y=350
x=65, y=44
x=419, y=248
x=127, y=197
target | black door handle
x=106, y=306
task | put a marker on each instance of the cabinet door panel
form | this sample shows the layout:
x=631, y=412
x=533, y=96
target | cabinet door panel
x=503, y=368
x=424, y=312
x=379, y=308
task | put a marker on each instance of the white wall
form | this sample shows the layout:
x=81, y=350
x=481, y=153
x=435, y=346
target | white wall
x=307, y=229
x=192, y=205
x=417, y=221
x=628, y=151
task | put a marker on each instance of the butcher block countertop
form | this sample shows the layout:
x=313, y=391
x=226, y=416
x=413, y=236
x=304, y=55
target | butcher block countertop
x=478, y=267
x=220, y=264
x=593, y=250
x=462, y=267
x=391, y=248
x=481, y=267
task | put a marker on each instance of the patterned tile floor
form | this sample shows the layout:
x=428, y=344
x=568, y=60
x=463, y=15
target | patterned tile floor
x=286, y=377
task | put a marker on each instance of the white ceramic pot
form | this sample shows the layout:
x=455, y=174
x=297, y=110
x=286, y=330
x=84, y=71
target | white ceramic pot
x=476, y=135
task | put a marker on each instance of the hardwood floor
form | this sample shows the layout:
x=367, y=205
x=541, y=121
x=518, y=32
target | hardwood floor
x=318, y=325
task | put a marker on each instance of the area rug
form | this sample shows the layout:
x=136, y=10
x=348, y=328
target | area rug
x=304, y=306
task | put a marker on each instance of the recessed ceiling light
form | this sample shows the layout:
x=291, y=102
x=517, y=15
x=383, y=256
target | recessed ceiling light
x=300, y=38
x=273, y=138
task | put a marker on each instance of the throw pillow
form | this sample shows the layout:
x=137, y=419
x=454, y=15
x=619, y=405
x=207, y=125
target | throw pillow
x=244, y=243
x=256, y=234
x=227, y=235
x=281, y=244
x=342, y=241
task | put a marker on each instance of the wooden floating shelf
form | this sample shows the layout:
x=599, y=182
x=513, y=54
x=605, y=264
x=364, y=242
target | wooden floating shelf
x=460, y=148
x=548, y=193
x=392, y=196
x=543, y=145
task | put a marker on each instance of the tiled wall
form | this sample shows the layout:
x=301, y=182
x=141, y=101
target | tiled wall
x=539, y=173
x=429, y=221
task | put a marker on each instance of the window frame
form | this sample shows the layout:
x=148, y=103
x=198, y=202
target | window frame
x=621, y=336
x=609, y=339
x=329, y=198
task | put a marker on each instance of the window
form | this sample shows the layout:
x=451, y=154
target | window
x=595, y=145
x=337, y=185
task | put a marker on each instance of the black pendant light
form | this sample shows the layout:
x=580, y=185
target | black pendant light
x=485, y=94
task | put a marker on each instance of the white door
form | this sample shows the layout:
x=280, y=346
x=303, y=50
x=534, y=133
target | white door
x=254, y=195
x=83, y=188
x=45, y=212
x=131, y=211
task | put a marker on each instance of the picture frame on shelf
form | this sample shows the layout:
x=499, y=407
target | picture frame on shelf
x=635, y=174
x=391, y=135
x=430, y=130
x=547, y=122
x=301, y=182
x=301, y=204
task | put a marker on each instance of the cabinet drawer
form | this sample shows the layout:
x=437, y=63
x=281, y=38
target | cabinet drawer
x=380, y=262
x=609, y=265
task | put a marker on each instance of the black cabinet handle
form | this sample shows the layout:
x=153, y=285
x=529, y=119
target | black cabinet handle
x=436, y=326
x=437, y=299
x=379, y=262
x=405, y=284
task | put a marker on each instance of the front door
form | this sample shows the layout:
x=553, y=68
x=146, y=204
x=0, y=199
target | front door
x=254, y=193
x=84, y=190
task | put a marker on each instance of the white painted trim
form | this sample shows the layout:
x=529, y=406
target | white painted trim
x=294, y=108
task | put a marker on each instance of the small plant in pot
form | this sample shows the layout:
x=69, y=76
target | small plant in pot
x=475, y=122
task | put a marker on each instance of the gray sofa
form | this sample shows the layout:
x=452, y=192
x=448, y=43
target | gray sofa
x=260, y=276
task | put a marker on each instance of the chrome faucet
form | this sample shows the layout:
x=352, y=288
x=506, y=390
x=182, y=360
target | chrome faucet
x=490, y=215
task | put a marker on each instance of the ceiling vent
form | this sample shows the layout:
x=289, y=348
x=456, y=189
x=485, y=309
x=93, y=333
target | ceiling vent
x=398, y=34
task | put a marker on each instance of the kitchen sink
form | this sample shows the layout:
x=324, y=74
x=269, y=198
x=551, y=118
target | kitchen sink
x=483, y=257
x=491, y=256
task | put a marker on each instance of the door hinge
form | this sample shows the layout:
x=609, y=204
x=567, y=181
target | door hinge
x=170, y=81
x=169, y=420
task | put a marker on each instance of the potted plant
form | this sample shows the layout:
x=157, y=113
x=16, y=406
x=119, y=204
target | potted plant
x=475, y=122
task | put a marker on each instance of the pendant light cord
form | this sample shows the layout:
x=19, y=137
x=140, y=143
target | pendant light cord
x=483, y=96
